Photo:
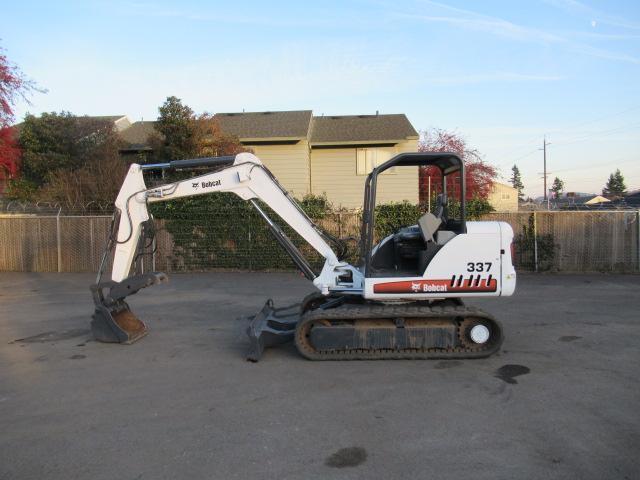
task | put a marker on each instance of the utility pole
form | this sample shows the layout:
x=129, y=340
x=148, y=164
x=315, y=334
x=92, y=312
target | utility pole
x=545, y=144
x=544, y=154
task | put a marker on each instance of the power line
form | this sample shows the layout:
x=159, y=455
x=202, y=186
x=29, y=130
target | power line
x=602, y=133
x=601, y=118
x=525, y=144
x=527, y=154
x=522, y=146
x=599, y=165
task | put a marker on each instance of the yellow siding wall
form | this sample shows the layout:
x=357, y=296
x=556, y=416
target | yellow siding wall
x=289, y=163
x=333, y=171
x=504, y=198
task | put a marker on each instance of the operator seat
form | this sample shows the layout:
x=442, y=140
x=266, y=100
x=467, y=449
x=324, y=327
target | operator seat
x=441, y=207
x=429, y=224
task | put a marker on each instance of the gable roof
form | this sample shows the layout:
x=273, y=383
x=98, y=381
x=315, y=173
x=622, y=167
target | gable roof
x=108, y=118
x=137, y=135
x=361, y=128
x=290, y=125
x=266, y=125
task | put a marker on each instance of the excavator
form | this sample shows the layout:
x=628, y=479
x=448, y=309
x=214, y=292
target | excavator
x=404, y=300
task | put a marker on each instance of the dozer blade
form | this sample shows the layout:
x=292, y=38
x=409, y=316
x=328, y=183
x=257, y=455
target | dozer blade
x=271, y=326
x=113, y=321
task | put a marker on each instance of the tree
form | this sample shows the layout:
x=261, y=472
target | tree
x=557, y=187
x=615, y=186
x=183, y=134
x=14, y=86
x=59, y=141
x=97, y=181
x=479, y=176
x=516, y=182
x=9, y=153
x=176, y=130
x=68, y=159
x=210, y=141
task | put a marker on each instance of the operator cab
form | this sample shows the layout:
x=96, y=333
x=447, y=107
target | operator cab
x=408, y=251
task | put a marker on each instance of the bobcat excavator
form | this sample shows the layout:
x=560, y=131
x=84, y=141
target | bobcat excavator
x=403, y=300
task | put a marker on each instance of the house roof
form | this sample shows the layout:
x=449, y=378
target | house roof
x=262, y=125
x=285, y=125
x=137, y=135
x=110, y=118
x=361, y=128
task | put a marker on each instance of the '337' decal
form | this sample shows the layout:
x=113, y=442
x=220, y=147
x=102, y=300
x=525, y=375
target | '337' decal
x=478, y=266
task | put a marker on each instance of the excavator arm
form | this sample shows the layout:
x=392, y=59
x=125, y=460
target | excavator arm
x=245, y=176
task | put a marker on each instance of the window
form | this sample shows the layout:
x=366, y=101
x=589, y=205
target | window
x=369, y=158
x=506, y=196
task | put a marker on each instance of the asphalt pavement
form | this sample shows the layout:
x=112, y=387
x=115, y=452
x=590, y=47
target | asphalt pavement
x=561, y=399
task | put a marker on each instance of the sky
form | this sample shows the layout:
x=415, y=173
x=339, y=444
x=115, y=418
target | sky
x=503, y=74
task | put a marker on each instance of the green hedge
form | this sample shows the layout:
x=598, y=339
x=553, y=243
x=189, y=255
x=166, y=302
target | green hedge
x=223, y=231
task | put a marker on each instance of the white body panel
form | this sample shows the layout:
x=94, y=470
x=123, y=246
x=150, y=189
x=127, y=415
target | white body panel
x=477, y=263
x=130, y=199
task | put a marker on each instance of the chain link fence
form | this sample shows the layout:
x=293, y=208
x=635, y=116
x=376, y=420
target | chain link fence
x=48, y=241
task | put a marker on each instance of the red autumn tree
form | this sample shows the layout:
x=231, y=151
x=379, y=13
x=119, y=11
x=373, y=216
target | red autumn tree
x=14, y=86
x=479, y=176
x=9, y=152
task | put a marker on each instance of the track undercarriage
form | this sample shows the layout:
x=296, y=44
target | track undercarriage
x=334, y=329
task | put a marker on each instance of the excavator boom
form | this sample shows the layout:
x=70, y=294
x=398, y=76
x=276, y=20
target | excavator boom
x=243, y=175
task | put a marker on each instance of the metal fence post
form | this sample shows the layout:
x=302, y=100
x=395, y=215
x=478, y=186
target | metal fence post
x=154, y=247
x=59, y=240
x=249, y=221
x=638, y=238
x=535, y=241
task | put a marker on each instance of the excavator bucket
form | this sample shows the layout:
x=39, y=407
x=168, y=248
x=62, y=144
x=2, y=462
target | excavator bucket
x=113, y=321
x=271, y=326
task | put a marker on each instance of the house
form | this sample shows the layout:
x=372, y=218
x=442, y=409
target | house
x=329, y=155
x=575, y=201
x=503, y=197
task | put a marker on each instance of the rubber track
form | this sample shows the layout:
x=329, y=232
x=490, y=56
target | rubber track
x=353, y=313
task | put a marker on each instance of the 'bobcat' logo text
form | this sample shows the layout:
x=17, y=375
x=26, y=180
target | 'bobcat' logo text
x=212, y=183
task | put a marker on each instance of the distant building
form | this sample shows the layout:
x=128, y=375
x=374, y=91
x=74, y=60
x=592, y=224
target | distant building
x=329, y=155
x=503, y=197
x=136, y=138
x=630, y=200
x=573, y=201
